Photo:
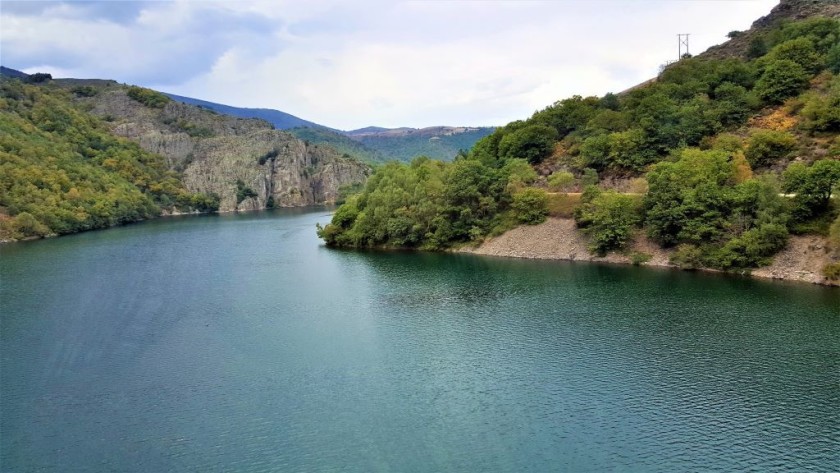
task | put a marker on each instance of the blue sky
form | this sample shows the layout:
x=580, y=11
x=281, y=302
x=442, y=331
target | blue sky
x=354, y=64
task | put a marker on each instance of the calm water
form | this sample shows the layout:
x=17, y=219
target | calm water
x=238, y=343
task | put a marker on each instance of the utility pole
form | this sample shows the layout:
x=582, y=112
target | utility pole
x=682, y=40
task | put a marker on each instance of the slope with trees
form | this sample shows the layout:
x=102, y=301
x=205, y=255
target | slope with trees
x=734, y=154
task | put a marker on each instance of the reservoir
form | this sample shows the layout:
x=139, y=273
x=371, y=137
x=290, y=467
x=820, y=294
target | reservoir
x=241, y=343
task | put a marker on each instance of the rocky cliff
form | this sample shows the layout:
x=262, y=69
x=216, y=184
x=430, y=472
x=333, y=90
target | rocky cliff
x=246, y=162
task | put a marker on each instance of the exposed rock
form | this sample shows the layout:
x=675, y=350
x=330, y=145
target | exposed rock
x=802, y=260
x=215, y=152
x=560, y=239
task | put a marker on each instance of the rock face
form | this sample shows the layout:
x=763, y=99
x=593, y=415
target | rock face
x=246, y=162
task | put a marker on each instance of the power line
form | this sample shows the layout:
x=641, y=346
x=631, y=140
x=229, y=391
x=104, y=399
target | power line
x=682, y=40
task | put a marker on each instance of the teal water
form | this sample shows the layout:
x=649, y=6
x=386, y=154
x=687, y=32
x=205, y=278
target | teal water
x=239, y=343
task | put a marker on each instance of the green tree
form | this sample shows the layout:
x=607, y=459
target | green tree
x=532, y=143
x=766, y=147
x=781, y=79
x=530, y=205
x=608, y=218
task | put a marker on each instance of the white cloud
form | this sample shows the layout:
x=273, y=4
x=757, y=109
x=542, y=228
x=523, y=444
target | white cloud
x=388, y=64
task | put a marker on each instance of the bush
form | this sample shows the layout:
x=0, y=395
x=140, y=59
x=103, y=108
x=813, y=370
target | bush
x=781, y=79
x=832, y=271
x=801, y=51
x=765, y=147
x=561, y=181
x=832, y=60
x=687, y=256
x=530, y=205
x=753, y=248
x=608, y=218
x=148, y=97
x=243, y=192
x=532, y=143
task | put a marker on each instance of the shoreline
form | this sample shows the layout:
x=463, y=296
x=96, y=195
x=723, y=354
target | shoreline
x=560, y=239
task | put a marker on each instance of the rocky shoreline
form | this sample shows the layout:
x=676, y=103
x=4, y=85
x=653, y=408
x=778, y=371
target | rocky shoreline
x=560, y=239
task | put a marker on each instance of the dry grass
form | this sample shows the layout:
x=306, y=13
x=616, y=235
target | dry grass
x=563, y=205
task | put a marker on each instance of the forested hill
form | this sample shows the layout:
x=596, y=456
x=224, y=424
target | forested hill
x=83, y=154
x=722, y=156
x=62, y=171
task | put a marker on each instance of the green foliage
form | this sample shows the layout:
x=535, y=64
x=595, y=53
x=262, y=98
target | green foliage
x=530, y=205
x=61, y=167
x=812, y=186
x=532, y=143
x=148, y=97
x=687, y=256
x=608, y=218
x=38, y=77
x=85, y=91
x=697, y=201
x=428, y=204
x=822, y=111
x=832, y=271
x=765, y=147
x=752, y=248
x=832, y=59
x=782, y=79
x=757, y=47
x=821, y=31
x=243, y=192
x=562, y=181
x=801, y=51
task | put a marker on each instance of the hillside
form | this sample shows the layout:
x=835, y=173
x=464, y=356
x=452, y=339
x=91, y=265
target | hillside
x=61, y=171
x=147, y=155
x=371, y=144
x=719, y=160
x=280, y=120
x=405, y=144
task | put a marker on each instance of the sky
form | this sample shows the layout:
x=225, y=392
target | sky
x=351, y=64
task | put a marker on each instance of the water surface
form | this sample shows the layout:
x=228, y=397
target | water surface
x=239, y=343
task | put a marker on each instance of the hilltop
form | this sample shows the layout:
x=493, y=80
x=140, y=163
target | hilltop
x=721, y=162
x=372, y=144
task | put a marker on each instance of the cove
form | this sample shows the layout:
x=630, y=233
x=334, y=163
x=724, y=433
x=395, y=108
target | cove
x=240, y=343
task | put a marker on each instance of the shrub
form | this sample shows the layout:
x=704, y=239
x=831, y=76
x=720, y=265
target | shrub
x=530, y=205
x=638, y=258
x=832, y=59
x=148, y=97
x=561, y=181
x=765, y=147
x=532, y=143
x=243, y=192
x=781, y=79
x=608, y=218
x=687, y=256
x=832, y=271
x=801, y=51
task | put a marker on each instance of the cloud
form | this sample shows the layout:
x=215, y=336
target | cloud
x=349, y=65
x=162, y=43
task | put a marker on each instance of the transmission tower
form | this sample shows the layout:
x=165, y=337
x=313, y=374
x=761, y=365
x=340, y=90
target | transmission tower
x=682, y=40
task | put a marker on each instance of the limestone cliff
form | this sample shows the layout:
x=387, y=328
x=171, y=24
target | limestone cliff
x=246, y=162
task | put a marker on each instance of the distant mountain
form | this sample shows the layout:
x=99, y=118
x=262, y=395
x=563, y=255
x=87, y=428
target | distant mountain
x=5, y=71
x=280, y=120
x=372, y=144
x=371, y=129
x=404, y=144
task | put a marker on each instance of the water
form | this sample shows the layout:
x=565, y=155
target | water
x=238, y=343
